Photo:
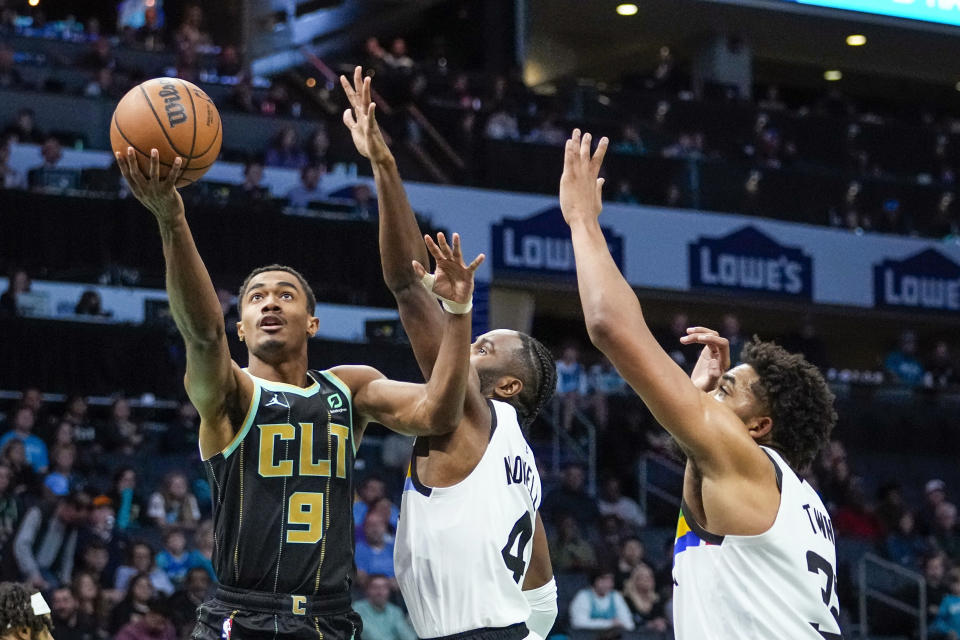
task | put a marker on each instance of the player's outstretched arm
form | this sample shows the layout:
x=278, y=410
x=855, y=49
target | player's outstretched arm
x=615, y=320
x=400, y=239
x=438, y=406
x=211, y=375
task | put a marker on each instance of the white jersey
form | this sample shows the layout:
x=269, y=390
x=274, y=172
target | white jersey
x=779, y=584
x=461, y=552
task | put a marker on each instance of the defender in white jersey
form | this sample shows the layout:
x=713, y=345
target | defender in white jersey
x=464, y=550
x=474, y=565
x=754, y=555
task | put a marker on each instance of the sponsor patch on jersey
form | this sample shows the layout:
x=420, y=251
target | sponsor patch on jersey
x=227, y=630
x=275, y=401
x=335, y=401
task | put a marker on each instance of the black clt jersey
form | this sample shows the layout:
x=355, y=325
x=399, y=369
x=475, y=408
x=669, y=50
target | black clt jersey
x=283, y=491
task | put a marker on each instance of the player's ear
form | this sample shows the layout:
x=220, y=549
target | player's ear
x=761, y=427
x=313, y=325
x=240, y=330
x=508, y=386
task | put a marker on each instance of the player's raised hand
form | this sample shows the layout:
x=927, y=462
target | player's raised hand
x=453, y=279
x=361, y=119
x=714, y=360
x=157, y=194
x=580, y=184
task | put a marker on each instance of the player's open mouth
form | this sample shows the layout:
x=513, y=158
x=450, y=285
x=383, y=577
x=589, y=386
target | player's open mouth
x=271, y=324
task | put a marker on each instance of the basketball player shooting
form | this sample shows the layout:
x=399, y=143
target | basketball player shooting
x=754, y=556
x=463, y=556
x=278, y=440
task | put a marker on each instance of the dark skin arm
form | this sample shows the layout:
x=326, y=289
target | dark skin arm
x=214, y=382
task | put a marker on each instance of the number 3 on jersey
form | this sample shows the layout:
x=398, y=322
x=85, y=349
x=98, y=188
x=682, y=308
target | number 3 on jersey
x=520, y=535
x=305, y=509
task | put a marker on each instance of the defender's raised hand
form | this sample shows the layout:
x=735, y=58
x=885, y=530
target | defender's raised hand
x=361, y=119
x=714, y=359
x=159, y=195
x=453, y=279
x=580, y=186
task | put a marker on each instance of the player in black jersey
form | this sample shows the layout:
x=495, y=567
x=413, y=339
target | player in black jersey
x=278, y=439
x=512, y=367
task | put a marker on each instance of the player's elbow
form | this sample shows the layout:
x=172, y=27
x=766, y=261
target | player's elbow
x=602, y=330
x=439, y=420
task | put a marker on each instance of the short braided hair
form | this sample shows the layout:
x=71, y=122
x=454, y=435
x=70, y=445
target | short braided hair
x=16, y=610
x=539, y=376
x=798, y=398
x=307, y=290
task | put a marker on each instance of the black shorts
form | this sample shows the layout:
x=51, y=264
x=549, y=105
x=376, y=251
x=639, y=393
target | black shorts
x=235, y=614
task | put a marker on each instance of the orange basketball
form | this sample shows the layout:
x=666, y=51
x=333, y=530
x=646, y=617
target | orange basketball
x=174, y=117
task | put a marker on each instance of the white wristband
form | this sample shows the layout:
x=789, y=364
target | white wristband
x=456, y=308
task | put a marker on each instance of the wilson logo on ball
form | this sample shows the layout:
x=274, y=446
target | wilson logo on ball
x=176, y=114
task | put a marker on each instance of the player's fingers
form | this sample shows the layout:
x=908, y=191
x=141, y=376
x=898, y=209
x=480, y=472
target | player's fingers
x=569, y=151
x=133, y=169
x=433, y=248
x=418, y=269
x=598, y=155
x=347, y=89
x=365, y=94
x=600, y=182
x=175, y=171
x=154, y=165
x=457, y=253
x=372, y=114
x=348, y=119
x=442, y=243
x=701, y=330
x=476, y=262
x=585, y=147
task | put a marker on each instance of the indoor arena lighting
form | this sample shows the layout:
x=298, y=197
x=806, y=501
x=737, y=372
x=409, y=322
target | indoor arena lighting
x=856, y=40
x=33, y=3
x=627, y=9
x=311, y=82
x=832, y=75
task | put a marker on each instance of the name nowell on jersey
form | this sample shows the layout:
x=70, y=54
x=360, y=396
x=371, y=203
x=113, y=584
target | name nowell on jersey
x=520, y=472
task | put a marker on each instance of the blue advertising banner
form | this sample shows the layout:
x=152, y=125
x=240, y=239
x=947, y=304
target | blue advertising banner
x=942, y=11
x=926, y=280
x=540, y=244
x=747, y=260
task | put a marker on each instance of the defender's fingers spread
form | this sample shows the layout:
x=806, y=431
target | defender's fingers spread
x=477, y=262
x=600, y=152
x=346, y=85
x=585, y=144
x=456, y=244
x=701, y=330
x=348, y=118
x=175, y=171
x=371, y=112
x=433, y=248
x=418, y=269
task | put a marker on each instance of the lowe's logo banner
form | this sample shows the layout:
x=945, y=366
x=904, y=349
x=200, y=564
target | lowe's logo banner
x=748, y=260
x=927, y=280
x=541, y=245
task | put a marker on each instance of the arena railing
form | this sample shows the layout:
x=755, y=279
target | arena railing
x=567, y=447
x=871, y=587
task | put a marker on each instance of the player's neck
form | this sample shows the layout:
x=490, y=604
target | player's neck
x=292, y=371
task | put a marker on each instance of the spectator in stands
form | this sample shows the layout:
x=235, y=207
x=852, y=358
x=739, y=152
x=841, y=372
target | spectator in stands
x=890, y=506
x=631, y=557
x=102, y=85
x=599, y=606
x=89, y=596
x=23, y=477
x=174, y=506
x=903, y=545
x=19, y=282
x=944, y=535
x=942, y=370
x=285, y=151
x=365, y=205
x=277, y=103
x=547, y=131
x=318, y=146
x=571, y=385
x=184, y=603
x=183, y=433
x=251, y=189
x=62, y=480
x=569, y=551
x=190, y=34
x=571, y=498
x=24, y=129
x=670, y=341
x=241, y=97
x=154, y=625
x=46, y=542
x=502, y=125
x=853, y=517
x=309, y=189
x=947, y=623
x=32, y=397
x=99, y=56
x=103, y=530
x=604, y=381
x=10, y=77
x=90, y=304
x=372, y=490
x=630, y=141
x=229, y=63
x=374, y=552
x=22, y=426
x=122, y=434
x=175, y=559
x=203, y=539
x=624, y=193
x=68, y=622
x=93, y=558
x=902, y=365
x=613, y=502
x=40, y=177
x=807, y=342
x=643, y=600
x=935, y=493
x=10, y=508
x=382, y=620
x=397, y=58
x=128, y=502
x=10, y=177
x=730, y=329
x=141, y=560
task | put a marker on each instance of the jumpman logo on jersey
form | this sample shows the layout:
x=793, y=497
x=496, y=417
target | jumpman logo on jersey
x=277, y=402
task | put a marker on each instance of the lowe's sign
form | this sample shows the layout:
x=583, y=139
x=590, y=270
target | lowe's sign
x=927, y=280
x=747, y=260
x=541, y=245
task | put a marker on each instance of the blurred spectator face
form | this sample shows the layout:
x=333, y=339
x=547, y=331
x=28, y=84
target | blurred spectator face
x=96, y=558
x=935, y=568
x=121, y=410
x=5, y=147
x=140, y=588
x=175, y=542
x=730, y=325
x=51, y=151
x=935, y=492
x=64, y=458
x=154, y=621
x=362, y=194
x=573, y=478
x=310, y=177
x=288, y=139
x=229, y=56
x=142, y=558
x=372, y=490
x=193, y=16
x=643, y=579
x=632, y=551
x=253, y=174
x=378, y=592
x=16, y=453
x=101, y=47
x=24, y=419
x=85, y=587
x=63, y=604
x=25, y=120
x=941, y=352
x=6, y=58
x=569, y=530
x=611, y=490
x=570, y=355
x=320, y=141
x=374, y=529
x=603, y=584
x=906, y=524
x=198, y=582
x=177, y=485
x=946, y=516
x=679, y=324
x=20, y=282
x=32, y=398
x=77, y=406
x=908, y=342
x=103, y=517
x=373, y=48
x=76, y=511
x=383, y=507
x=398, y=47
x=127, y=480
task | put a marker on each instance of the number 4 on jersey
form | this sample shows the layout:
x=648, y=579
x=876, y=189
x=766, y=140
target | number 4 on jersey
x=520, y=535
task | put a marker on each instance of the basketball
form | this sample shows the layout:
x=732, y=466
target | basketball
x=174, y=117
